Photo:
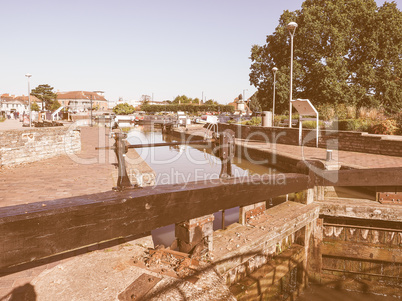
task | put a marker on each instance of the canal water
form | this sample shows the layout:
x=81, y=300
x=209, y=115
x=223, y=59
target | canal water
x=181, y=164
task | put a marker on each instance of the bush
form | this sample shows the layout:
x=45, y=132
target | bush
x=341, y=112
x=398, y=119
x=254, y=121
x=386, y=127
x=123, y=109
x=278, y=119
x=326, y=111
x=360, y=125
x=310, y=124
x=2, y=119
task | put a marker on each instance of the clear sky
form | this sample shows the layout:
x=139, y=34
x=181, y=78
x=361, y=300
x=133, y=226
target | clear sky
x=129, y=48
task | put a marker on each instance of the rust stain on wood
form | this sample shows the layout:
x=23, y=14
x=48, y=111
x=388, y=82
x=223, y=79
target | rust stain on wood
x=139, y=288
x=393, y=198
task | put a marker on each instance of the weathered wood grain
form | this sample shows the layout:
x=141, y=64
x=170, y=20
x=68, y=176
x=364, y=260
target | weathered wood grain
x=362, y=251
x=360, y=177
x=37, y=230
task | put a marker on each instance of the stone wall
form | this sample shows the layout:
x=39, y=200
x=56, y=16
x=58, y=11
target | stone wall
x=34, y=144
x=341, y=140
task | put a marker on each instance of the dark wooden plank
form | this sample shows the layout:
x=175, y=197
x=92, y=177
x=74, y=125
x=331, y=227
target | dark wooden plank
x=360, y=177
x=361, y=251
x=33, y=231
x=139, y=288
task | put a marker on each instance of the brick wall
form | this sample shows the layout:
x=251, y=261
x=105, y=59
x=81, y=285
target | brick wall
x=29, y=145
x=348, y=141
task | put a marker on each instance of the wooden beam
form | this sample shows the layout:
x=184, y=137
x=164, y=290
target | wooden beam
x=37, y=230
x=360, y=177
x=361, y=251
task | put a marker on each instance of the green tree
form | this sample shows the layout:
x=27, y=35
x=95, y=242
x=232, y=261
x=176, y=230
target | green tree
x=388, y=74
x=211, y=102
x=35, y=107
x=254, y=104
x=345, y=51
x=123, y=109
x=47, y=96
x=182, y=99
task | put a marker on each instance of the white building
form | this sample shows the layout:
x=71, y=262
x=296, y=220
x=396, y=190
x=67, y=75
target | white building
x=10, y=104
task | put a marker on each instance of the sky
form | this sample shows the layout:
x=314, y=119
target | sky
x=128, y=48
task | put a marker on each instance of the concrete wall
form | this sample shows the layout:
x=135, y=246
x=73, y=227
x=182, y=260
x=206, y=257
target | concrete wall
x=29, y=145
x=341, y=140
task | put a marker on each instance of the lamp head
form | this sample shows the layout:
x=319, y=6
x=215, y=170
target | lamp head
x=292, y=27
x=274, y=70
x=28, y=75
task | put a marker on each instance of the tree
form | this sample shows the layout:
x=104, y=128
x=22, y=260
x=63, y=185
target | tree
x=211, y=102
x=35, y=107
x=123, y=109
x=47, y=96
x=254, y=104
x=345, y=51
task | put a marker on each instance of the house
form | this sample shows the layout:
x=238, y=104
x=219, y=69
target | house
x=241, y=107
x=18, y=104
x=80, y=101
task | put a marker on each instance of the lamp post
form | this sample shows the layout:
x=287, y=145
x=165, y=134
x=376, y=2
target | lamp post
x=29, y=99
x=273, y=101
x=244, y=99
x=292, y=28
x=91, y=107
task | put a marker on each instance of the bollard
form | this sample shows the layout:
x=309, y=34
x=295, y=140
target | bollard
x=267, y=119
x=329, y=155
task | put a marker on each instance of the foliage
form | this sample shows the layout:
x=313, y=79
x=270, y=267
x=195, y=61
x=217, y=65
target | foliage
x=278, y=119
x=398, y=119
x=187, y=108
x=385, y=127
x=35, y=107
x=2, y=119
x=254, y=104
x=326, y=112
x=254, y=121
x=183, y=99
x=211, y=102
x=126, y=129
x=123, y=109
x=361, y=125
x=345, y=52
x=309, y=124
x=47, y=96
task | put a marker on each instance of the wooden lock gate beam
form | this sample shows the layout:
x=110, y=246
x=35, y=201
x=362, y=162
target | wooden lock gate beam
x=374, y=177
x=33, y=231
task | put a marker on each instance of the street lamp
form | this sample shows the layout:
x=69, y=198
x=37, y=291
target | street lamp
x=273, y=101
x=90, y=99
x=244, y=98
x=292, y=28
x=29, y=99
